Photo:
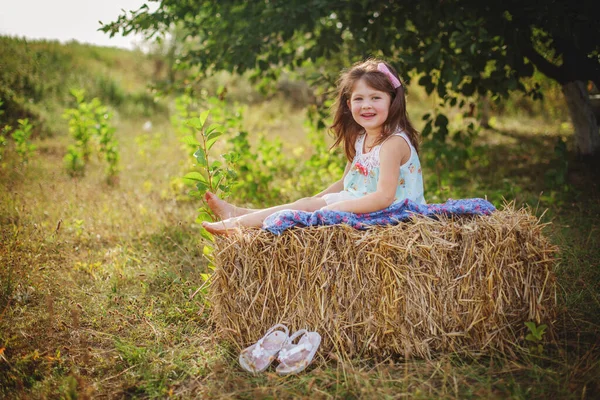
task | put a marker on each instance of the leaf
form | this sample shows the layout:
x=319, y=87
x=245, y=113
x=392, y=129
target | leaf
x=433, y=50
x=212, y=136
x=203, y=216
x=196, y=194
x=213, y=128
x=203, y=117
x=195, y=176
x=530, y=337
x=190, y=140
x=200, y=156
x=427, y=129
x=202, y=187
x=530, y=325
x=206, y=235
x=207, y=250
x=195, y=123
x=441, y=120
x=205, y=277
x=425, y=80
x=427, y=83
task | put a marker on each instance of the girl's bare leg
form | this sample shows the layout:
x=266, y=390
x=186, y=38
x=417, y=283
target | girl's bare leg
x=223, y=209
x=256, y=218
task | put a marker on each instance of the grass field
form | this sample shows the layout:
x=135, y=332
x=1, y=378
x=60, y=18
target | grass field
x=96, y=279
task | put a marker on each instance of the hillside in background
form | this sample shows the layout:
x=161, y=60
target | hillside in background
x=36, y=78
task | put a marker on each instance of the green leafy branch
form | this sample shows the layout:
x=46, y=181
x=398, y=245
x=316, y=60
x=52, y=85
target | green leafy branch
x=212, y=174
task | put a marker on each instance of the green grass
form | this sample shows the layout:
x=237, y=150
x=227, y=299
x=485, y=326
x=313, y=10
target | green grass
x=96, y=281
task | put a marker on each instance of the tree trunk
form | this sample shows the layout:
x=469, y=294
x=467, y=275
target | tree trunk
x=587, y=136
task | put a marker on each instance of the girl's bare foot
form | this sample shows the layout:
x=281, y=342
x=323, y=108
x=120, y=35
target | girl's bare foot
x=221, y=208
x=222, y=227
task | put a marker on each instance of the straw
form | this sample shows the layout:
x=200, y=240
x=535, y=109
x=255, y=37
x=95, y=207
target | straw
x=417, y=289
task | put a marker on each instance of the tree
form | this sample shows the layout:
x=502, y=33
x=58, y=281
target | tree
x=460, y=46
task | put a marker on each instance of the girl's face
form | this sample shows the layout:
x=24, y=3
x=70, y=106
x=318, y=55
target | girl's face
x=369, y=107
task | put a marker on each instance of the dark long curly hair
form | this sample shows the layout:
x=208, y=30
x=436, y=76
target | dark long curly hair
x=346, y=129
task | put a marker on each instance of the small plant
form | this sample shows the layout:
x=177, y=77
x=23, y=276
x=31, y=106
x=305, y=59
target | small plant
x=535, y=336
x=90, y=121
x=107, y=142
x=81, y=124
x=212, y=174
x=74, y=161
x=22, y=138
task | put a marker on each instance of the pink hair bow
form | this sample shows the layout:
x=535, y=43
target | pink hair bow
x=381, y=67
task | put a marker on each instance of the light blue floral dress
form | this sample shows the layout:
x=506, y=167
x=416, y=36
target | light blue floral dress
x=363, y=175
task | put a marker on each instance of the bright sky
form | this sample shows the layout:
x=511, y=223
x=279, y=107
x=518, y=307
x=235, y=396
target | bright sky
x=66, y=20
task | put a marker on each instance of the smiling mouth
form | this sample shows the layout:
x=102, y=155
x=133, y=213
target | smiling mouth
x=367, y=115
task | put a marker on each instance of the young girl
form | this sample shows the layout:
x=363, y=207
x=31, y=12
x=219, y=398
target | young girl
x=380, y=144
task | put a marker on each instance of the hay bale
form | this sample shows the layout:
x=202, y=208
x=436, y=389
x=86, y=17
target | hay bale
x=415, y=289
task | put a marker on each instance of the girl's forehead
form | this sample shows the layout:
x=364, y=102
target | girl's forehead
x=362, y=86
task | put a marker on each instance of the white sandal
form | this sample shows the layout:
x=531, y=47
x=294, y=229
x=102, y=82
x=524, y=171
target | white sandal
x=259, y=356
x=294, y=358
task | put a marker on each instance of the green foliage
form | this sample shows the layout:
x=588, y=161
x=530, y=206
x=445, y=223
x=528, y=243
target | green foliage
x=535, y=336
x=258, y=169
x=459, y=45
x=36, y=78
x=323, y=167
x=22, y=138
x=211, y=174
x=450, y=149
x=82, y=122
x=108, y=144
x=90, y=122
x=74, y=162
